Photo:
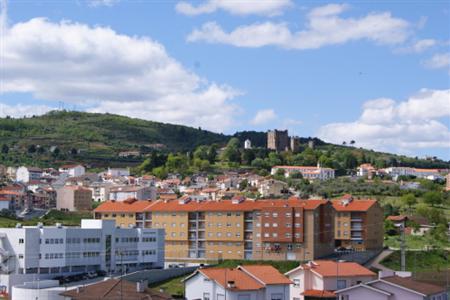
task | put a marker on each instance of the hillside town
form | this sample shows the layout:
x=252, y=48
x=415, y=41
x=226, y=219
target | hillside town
x=236, y=234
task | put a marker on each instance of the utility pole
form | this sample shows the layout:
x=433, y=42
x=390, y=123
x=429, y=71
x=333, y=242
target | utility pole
x=402, y=249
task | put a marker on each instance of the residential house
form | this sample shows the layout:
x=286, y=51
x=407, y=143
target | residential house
x=27, y=174
x=118, y=172
x=393, y=287
x=74, y=170
x=358, y=223
x=250, y=282
x=366, y=170
x=273, y=188
x=74, y=198
x=120, y=193
x=321, y=278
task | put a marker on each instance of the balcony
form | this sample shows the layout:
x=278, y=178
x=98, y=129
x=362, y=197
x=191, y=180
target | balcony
x=356, y=228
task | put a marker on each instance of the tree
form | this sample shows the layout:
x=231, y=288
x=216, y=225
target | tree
x=32, y=148
x=231, y=152
x=433, y=198
x=5, y=149
x=160, y=172
x=409, y=200
x=389, y=227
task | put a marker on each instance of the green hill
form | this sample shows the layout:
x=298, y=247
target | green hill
x=89, y=137
x=98, y=139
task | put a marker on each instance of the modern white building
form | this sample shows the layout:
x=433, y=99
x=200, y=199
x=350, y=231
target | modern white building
x=307, y=172
x=430, y=174
x=252, y=282
x=72, y=170
x=30, y=253
x=27, y=174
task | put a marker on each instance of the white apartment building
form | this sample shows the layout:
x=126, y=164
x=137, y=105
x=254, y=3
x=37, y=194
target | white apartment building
x=118, y=172
x=308, y=172
x=29, y=253
x=27, y=174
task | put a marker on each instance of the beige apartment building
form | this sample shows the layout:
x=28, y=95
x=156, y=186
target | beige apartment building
x=74, y=198
x=358, y=223
x=281, y=229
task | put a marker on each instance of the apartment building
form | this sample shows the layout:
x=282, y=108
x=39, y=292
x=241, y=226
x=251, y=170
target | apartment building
x=27, y=174
x=30, y=253
x=282, y=229
x=308, y=172
x=358, y=223
x=258, y=282
x=73, y=198
x=73, y=170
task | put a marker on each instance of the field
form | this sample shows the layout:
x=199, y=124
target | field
x=172, y=286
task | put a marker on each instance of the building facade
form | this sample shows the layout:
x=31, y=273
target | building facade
x=324, y=277
x=27, y=174
x=308, y=172
x=256, y=282
x=358, y=223
x=282, y=229
x=73, y=198
x=38, y=252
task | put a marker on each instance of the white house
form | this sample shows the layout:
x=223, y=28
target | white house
x=255, y=282
x=118, y=172
x=30, y=253
x=320, y=278
x=120, y=193
x=27, y=174
x=72, y=170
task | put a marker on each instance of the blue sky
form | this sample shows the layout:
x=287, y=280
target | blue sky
x=376, y=72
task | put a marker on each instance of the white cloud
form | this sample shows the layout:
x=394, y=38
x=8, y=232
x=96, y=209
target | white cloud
x=419, y=46
x=397, y=126
x=324, y=27
x=95, y=3
x=264, y=116
x=99, y=69
x=235, y=7
x=22, y=110
x=438, y=61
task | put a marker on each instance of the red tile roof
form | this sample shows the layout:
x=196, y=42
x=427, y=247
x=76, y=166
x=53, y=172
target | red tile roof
x=242, y=281
x=329, y=268
x=397, y=218
x=319, y=294
x=266, y=274
x=354, y=205
x=418, y=286
x=124, y=206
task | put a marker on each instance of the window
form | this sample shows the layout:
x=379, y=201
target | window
x=275, y=215
x=275, y=225
x=21, y=241
x=296, y=283
x=276, y=297
x=206, y=296
x=20, y=256
x=341, y=284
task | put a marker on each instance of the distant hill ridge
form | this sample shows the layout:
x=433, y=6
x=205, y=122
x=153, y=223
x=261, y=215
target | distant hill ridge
x=97, y=137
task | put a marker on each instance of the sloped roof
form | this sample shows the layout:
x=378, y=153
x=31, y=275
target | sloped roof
x=354, y=205
x=242, y=281
x=414, y=285
x=266, y=274
x=330, y=268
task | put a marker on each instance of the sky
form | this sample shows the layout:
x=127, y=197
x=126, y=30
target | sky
x=376, y=72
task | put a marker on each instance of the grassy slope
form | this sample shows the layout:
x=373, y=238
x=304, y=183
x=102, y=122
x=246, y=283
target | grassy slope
x=418, y=261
